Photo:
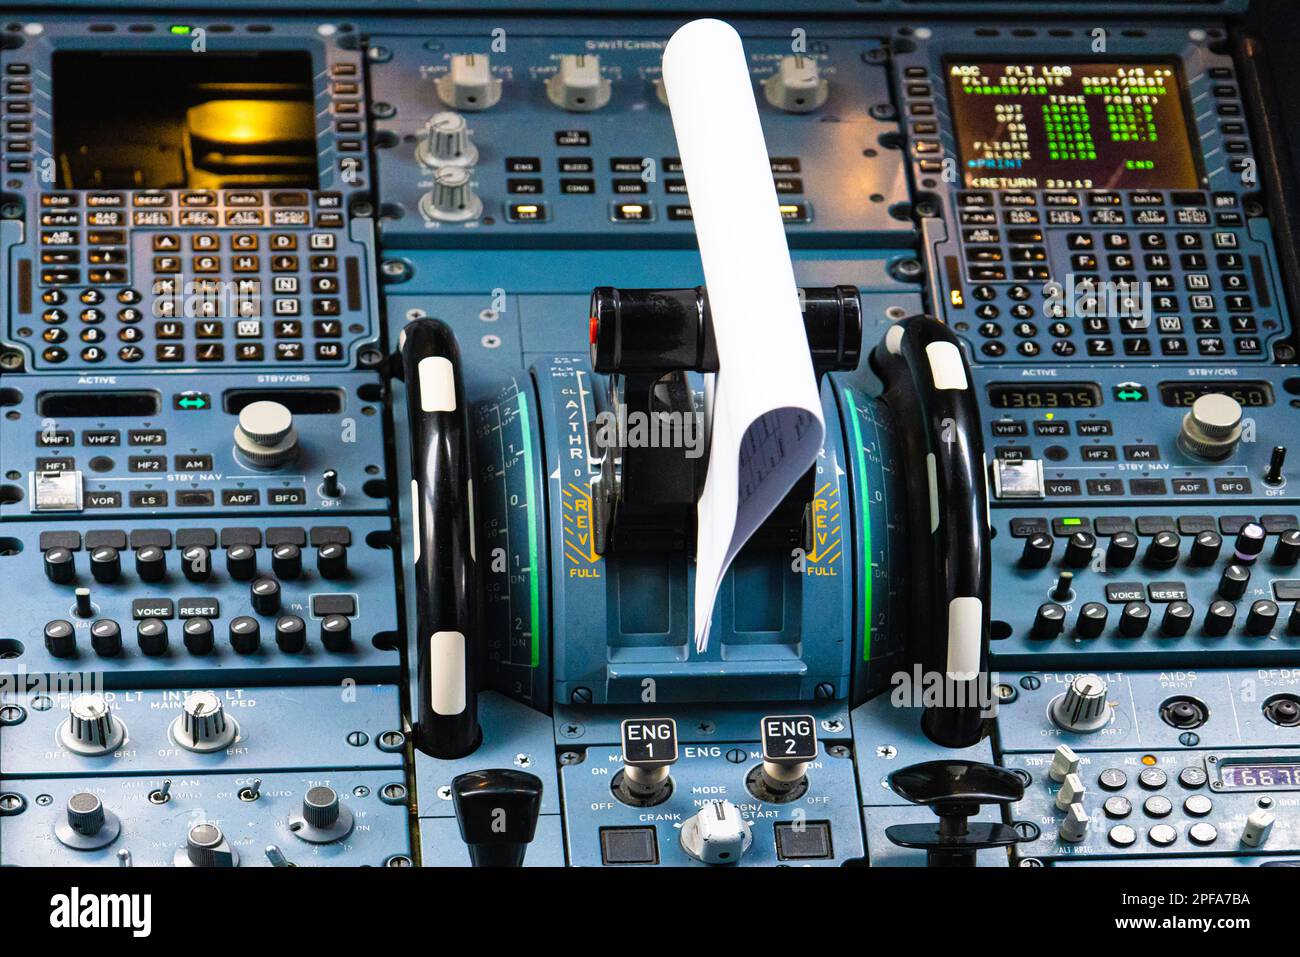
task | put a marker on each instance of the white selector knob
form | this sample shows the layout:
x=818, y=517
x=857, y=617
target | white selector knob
x=203, y=724
x=1259, y=824
x=577, y=85
x=206, y=846
x=91, y=728
x=1074, y=826
x=797, y=85
x=1064, y=762
x=445, y=142
x=1072, y=792
x=266, y=435
x=468, y=83
x=717, y=834
x=1212, y=429
x=1083, y=707
x=452, y=199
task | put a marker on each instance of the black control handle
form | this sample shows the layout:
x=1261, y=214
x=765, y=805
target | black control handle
x=928, y=387
x=446, y=587
x=497, y=812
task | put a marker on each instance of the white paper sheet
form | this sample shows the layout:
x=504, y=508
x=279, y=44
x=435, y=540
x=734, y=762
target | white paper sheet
x=767, y=422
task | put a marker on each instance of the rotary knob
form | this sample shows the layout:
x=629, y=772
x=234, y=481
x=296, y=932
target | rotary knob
x=91, y=728
x=1177, y=619
x=1078, y=550
x=1122, y=550
x=206, y=846
x=452, y=199
x=445, y=142
x=469, y=83
x=797, y=86
x=265, y=436
x=203, y=725
x=87, y=825
x=1212, y=427
x=1048, y=622
x=1092, y=620
x=718, y=834
x=1163, y=550
x=1037, y=551
x=60, y=565
x=196, y=563
x=323, y=817
x=1205, y=548
x=577, y=85
x=1083, y=707
x=105, y=564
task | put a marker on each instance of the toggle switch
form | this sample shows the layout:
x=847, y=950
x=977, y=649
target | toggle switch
x=497, y=812
x=329, y=484
x=649, y=752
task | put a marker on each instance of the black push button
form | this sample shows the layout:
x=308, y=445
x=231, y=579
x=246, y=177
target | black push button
x=629, y=845
x=809, y=841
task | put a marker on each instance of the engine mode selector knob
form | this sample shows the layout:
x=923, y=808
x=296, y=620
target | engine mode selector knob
x=717, y=834
x=1177, y=619
x=286, y=561
x=241, y=562
x=60, y=638
x=1205, y=548
x=151, y=636
x=1287, y=550
x=577, y=85
x=649, y=752
x=1250, y=543
x=1048, y=622
x=266, y=437
x=452, y=199
x=497, y=813
x=1212, y=427
x=1092, y=620
x=1163, y=550
x=206, y=846
x=1083, y=707
x=91, y=727
x=1078, y=549
x=105, y=564
x=468, y=83
x=1262, y=617
x=203, y=725
x=1233, y=581
x=106, y=637
x=198, y=636
x=797, y=86
x=1133, y=620
x=1219, y=618
x=332, y=560
x=290, y=634
x=245, y=635
x=445, y=142
x=322, y=818
x=1122, y=550
x=1037, y=551
x=87, y=825
x=60, y=565
x=151, y=563
x=264, y=595
x=196, y=563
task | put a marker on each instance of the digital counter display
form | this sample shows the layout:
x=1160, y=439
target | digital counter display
x=1249, y=394
x=1253, y=776
x=1080, y=125
x=1036, y=395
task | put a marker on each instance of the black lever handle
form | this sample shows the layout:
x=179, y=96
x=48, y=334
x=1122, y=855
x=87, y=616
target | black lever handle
x=955, y=790
x=928, y=387
x=446, y=587
x=497, y=812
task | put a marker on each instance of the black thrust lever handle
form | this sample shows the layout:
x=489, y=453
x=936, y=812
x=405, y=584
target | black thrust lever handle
x=446, y=589
x=929, y=389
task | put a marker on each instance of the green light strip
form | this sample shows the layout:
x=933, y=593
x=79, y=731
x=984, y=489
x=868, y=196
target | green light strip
x=865, y=521
x=534, y=599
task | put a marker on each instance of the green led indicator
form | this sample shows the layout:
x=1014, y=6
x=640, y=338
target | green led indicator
x=180, y=30
x=866, y=526
x=1071, y=521
x=534, y=599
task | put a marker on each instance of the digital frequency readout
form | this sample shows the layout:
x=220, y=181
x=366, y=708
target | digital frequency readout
x=1085, y=125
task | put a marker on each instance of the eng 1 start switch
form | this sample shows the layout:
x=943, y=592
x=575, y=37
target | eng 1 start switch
x=649, y=751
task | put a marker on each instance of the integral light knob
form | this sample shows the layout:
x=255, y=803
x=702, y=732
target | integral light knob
x=577, y=85
x=91, y=728
x=797, y=86
x=266, y=436
x=452, y=199
x=1038, y=550
x=60, y=565
x=206, y=846
x=1250, y=543
x=717, y=834
x=1078, y=550
x=105, y=564
x=1083, y=707
x=323, y=818
x=1212, y=427
x=203, y=725
x=1122, y=550
x=468, y=83
x=87, y=825
x=1163, y=550
x=445, y=142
